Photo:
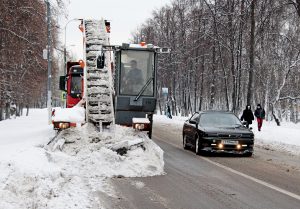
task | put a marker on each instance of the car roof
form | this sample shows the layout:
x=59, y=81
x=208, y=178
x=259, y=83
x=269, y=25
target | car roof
x=215, y=111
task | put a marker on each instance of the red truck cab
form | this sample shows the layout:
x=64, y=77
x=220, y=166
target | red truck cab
x=72, y=83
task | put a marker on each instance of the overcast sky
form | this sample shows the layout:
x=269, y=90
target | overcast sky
x=125, y=17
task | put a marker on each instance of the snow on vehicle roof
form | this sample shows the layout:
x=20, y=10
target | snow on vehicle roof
x=73, y=115
x=140, y=120
x=142, y=47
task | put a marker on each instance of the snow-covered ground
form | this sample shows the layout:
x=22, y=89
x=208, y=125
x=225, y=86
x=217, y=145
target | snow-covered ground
x=283, y=138
x=33, y=176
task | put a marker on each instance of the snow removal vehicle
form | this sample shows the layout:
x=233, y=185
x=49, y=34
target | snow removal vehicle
x=118, y=83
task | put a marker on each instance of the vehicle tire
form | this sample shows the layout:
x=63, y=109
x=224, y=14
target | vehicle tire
x=197, y=145
x=249, y=154
x=184, y=142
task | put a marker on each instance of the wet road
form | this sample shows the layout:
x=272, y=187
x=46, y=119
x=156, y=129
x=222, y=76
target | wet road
x=269, y=179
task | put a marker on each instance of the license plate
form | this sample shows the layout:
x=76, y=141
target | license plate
x=230, y=142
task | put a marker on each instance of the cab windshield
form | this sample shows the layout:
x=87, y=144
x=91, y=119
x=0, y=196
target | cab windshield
x=137, y=69
x=76, y=85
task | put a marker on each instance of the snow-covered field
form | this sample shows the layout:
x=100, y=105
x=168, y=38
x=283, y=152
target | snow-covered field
x=283, y=138
x=35, y=177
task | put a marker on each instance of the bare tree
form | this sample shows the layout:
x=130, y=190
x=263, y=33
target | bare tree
x=229, y=53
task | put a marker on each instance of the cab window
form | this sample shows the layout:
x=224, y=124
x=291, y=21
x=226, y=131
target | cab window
x=76, y=85
x=137, y=69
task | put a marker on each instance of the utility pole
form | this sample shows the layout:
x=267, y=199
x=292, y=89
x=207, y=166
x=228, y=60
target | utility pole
x=49, y=58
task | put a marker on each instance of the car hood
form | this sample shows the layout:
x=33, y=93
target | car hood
x=227, y=130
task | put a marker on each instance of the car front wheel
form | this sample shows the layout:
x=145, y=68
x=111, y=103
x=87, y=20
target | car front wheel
x=249, y=154
x=197, y=145
x=184, y=142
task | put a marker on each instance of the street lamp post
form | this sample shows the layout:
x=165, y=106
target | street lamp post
x=49, y=58
x=65, y=45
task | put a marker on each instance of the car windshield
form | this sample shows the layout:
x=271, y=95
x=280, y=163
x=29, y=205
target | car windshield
x=219, y=120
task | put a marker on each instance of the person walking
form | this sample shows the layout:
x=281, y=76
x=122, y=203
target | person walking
x=247, y=116
x=260, y=116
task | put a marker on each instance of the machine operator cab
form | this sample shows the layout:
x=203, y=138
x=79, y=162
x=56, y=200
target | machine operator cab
x=135, y=83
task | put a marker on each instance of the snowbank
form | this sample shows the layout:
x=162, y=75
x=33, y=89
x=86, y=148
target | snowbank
x=96, y=155
x=33, y=177
x=284, y=138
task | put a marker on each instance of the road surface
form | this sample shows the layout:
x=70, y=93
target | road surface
x=268, y=180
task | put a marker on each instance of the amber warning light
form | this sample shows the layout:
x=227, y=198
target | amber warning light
x=81, y=28
x=81, y=63
x=107, y=25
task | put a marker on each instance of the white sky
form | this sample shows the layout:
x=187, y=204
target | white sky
x=125, y=17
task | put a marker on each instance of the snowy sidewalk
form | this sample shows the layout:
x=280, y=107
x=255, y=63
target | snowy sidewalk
x=32, y=129
x=285, y=137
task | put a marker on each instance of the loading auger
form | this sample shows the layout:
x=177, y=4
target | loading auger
x=99, y=87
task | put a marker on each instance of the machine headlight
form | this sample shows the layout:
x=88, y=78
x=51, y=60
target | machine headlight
x=139, y=126
x=63, y=125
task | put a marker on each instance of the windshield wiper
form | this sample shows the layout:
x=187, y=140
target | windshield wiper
x=143, y=89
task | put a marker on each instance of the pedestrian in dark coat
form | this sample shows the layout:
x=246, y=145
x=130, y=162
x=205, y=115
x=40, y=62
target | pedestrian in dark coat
x=247, y=116
x=260, y=116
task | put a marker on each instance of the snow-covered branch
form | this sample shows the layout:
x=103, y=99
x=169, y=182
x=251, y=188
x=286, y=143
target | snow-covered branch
x=289, y=97
x=17, y=35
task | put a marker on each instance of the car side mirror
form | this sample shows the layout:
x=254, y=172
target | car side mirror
x=250, y=128
x=193, y=122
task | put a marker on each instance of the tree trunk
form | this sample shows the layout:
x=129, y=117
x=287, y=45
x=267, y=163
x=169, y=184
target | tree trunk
x=212, y=85
x=1, y=113
x=251, y=54
x=275, y=118
x=239, y=55
x=232, y=57
x=7, y=111
x=27, y=110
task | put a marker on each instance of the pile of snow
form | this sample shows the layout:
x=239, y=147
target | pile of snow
x=34, y=177
x=285, y=137
x=97, y=152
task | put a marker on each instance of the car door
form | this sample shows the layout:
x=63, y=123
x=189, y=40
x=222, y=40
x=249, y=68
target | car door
x=191, y=128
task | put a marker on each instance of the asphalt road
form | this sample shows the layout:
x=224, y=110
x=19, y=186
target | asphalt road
x=267, y=180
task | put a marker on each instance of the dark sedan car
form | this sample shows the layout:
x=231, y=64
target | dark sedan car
x=217, y=131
